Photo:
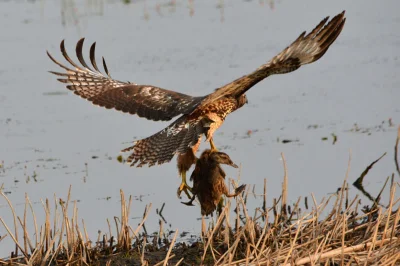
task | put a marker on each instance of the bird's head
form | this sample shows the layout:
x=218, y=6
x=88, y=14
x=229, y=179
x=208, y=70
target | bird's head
x=222, y=158
x=242, y=100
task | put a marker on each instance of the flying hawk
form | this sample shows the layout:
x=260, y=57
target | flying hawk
x=196, y=115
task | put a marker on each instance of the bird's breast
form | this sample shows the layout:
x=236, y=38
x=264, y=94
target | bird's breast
x=220, y=108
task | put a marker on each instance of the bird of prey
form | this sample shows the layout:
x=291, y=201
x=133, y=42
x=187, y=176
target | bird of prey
x=197, y=116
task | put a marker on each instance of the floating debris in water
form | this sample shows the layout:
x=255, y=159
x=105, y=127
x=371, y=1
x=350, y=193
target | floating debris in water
x=285, y=141
x=55, y=93
x=315, y=126
x=34, y=176
x=382, y=127
x=250, y=132
x=227, y=147
x=390, y=122
x=184, y=233
x=48, y=160
x=120, y=159
x=334, y=138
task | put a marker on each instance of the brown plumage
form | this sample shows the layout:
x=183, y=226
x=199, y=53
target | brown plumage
x=197, y=115
x=209, y=180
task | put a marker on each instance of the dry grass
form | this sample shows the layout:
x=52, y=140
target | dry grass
x=278, y=235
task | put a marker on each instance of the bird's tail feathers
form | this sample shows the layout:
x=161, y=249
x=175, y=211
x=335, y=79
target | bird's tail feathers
x=161, y=147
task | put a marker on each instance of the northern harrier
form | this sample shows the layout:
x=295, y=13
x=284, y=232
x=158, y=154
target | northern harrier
x=197, y=115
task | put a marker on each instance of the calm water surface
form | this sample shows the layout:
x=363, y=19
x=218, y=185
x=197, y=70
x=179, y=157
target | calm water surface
x=51, y=139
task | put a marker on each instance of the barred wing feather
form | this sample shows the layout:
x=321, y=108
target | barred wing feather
x=145, y=101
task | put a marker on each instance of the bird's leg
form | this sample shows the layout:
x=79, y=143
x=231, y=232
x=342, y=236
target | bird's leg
x=238, y=190
x=190, y=202
x=184, y=187
x=212, y=145
x=220, y=206
x=203, y=226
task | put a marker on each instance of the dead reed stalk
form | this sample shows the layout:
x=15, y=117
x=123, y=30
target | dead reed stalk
x=347, y=235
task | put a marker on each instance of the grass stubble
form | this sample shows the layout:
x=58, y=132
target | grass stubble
x=346, y=234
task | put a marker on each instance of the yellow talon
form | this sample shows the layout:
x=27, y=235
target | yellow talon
x=213, y=148
x=184, y=187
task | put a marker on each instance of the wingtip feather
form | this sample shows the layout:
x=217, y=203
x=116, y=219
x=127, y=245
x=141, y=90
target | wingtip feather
x=105, y=67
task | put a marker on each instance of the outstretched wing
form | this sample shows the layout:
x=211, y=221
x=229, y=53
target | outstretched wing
x=146, y=101
x=304, y=50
